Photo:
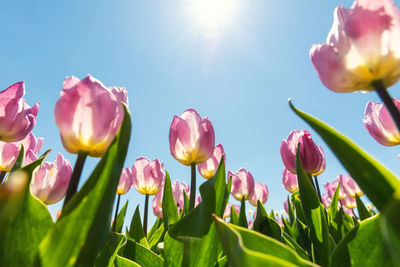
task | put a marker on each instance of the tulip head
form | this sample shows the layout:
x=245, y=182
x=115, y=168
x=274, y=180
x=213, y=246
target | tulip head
x=88, y=115
x=326, y=200
x=147, y=176
x=191, y=138
x=125, y=181
x=17, y=119
x=349, y=186
x=157, y=204
x=260, y=194
x=349, y=202
x=177, y=193
x=289, y=181
x=363, y=46
x=50, y=182
x=286, y=206
x=208, y=168
x=330, y=189
x=312, y=157
x=242, y=184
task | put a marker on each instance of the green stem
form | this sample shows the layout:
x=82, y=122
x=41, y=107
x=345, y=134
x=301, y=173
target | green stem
x=2, y=175
x=146, y=210
x=192, y=187
x=380, y=88
x=76, y=175
x=116, y=212
x=319, y=191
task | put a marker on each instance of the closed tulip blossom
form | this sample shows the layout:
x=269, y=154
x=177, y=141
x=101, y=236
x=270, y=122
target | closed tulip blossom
x=147, y=175
x=50, y=181
x=177, y=193
x=350, y=186
x=286, y=206
x=242, y=184
x=125, y=181
x=326, y=200
x=330, y=189
x=17, y=119
x=289, y=181
x=312, y=157
x=208, y=168
x=349, y=202
x=157, y=204
x=260, y=194
x=380, y=124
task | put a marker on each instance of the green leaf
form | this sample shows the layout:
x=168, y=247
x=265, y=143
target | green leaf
x=19, y=163
x=170, y=211
x=363, y=168
x=298, y=207
x=362, y=246
x=110, y=249
x=186, y=203
x=300, y=251
x=234, y=216
x=121, y=218
x=291, y=214
x=136, y=229
x=124, y=262
x=83, y=226
x=24, y=219
x=362, y=210
x=141, y=255
x=156, y=237
x=265, y=225
x=154, y=228
x=242, y=214
x=222, y=262
x=334, y=203
x=245, y=247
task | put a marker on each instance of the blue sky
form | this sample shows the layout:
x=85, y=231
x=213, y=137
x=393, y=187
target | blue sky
x=241, y=77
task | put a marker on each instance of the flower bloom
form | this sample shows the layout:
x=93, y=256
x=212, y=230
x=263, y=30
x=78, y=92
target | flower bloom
x=208, y=168
x=349, y=202
x=157, y=204
x=9, y=151
x=88, y=115
x=125, y=181
x=147, y=176
x=289, y=181
x=363, y=46
x=326, y=200
x=312, y=157
x=50, y=182
x=227, y=211
x=191, y=138
x=242, y=184
x=350, y=186
x=260, y=193
x=330, y=189
x=380, y=124
x=17, y=119
x=177, y=193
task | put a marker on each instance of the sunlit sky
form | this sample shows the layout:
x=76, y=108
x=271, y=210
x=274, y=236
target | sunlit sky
x=236, y=62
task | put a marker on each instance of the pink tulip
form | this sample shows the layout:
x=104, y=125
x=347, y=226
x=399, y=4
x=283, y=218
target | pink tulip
x=191, y=138
x=147, y=176
x=208, y=168
x=350, y=186
x=330, y=188
x=177, y=193
x=125, y=181
x=311, y=156
x=88, y=115
x=286, y=206
x=349, y=211
x=50, y=181
x=17, y=119
x=198, y=200
x=227, y=211
x=349, y=202
x=280, y=222
x=157, y=204
x=363, y=46
x=250, y=224
x=260, y=193
x=380, y=124
x=289, y=181
x=242, y=184
x=326, y=200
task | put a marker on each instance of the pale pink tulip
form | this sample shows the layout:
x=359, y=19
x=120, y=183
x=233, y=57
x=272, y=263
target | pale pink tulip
x=177, y=193
x=349, y=211
x=242, y=184
x=350, y=186
x=17, y=119
x=191, y=138
x=157, y=204
x=50, y=181
x=227, y=211
x=349, y=202
x=260, y=194
x=250, y=224
x=289, y=181
x=363, y=46
x=88, y=115
x=311, y=156
x=198, y=200
x=330, y=188
x=208, y=168
x=326, y=200
x=286, y=206
x=125, y=181
x=147, y=176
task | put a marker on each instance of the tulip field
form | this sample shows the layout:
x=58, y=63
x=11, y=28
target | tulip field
x=353, y=220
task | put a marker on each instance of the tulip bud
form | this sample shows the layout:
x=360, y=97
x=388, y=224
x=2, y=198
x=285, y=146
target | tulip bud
x=125, y=181
x=198, y=200
x=147, y=176
x=289, y=181
x=363, y=46
x=88, y=115
x=208, y=168
x=177, y=193
x=50, y=182
x=349, y=186
x=311, y=156
x=260, y=194
x=286, y=206
x=191, y=138
x=250, y=224
x=242, y=184
x=157, y=204
x=17, y=119
x=330, y=188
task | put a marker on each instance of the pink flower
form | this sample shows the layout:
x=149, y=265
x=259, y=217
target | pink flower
x=88, y=115
x=147, y=176
x=177, y=193
x=208, y=168
x=227, y=211
x=326, y=200
x=286, y=206
x=50, y=182
x=157, y=204
x=330, y=188
x=250, y=224
x=17, y=119
x=289, y=181
x=363, y=46
x=242, y=184
x=380, y=125
x=260, y=193
x=350, y=186
x=349, y=202
x=198, y=200
x=191, y=138
x=348, y=211
x=9, y=151
x=125, y=181
x=311, y=156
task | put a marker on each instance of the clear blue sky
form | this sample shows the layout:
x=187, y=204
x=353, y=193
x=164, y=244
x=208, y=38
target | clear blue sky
x=241, y=77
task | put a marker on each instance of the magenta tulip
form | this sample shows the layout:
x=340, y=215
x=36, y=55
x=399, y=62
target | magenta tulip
x=78, y=112
x=260, y=194
x=311, y=156
x=208, y=168
x=17, y=119
x=177, y=193
x=362, y=47
x=147, y=176
x=289, y=181
x=50, y=181
x=330, y=189
x=242, y=184
x=350, y=186
x=125, y=181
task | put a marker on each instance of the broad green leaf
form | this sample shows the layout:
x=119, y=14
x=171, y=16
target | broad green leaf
x=170, y=211
x=222, y=262
x=154, y=228
x=242, y=214
x=265, y=225
x=363, y=168
x=155, y=238
x=300, y=251
x=121, y=218
x=334, y=203
x=110, y=249
x=244, y=247
x=85, y=220
x=186, y=203
x=362, y=246
x=362, y=210
x=124, y=262
x=141, y=255
x=298, y=208
x=136, y=229
x=234, y=219
x=303, y=239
